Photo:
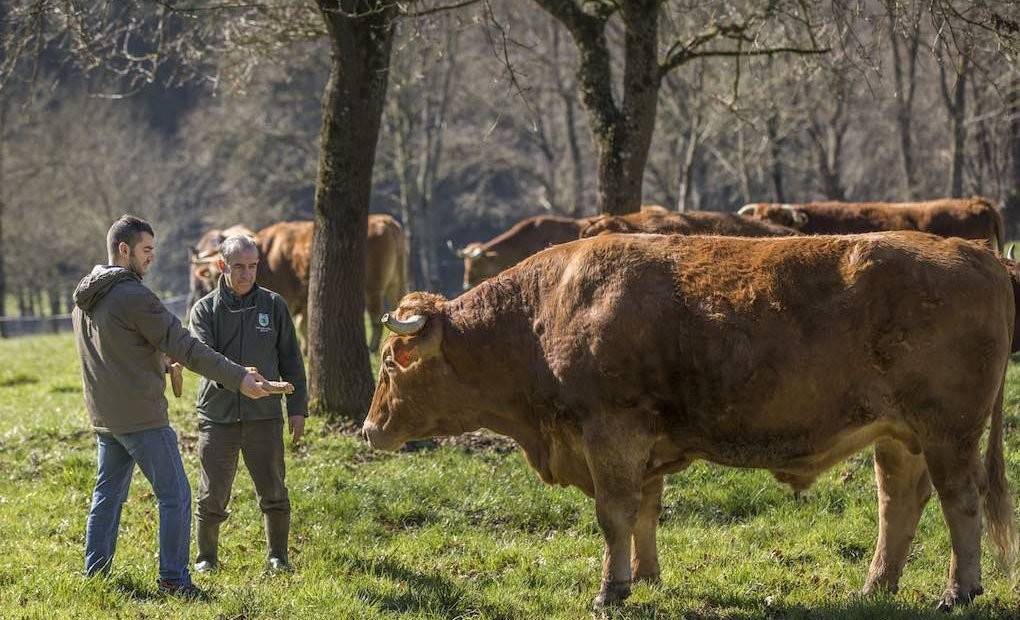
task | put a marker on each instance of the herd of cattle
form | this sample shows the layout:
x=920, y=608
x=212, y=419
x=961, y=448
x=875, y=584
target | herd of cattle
x=784, y=337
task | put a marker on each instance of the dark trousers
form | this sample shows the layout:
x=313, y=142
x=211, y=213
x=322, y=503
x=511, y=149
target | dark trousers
x=260, y=442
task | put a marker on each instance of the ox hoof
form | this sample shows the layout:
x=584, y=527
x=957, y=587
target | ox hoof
x=612, y=593
x=952, y=598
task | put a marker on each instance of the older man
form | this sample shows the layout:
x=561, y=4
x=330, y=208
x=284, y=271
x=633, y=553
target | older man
x=252, y=326
x=122, y=332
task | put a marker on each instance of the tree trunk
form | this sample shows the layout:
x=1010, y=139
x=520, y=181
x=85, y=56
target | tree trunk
x=956, y=108
x=622, y=134
x=776, y=149
x=903, y=91
x=361, y=37
x=3, y=187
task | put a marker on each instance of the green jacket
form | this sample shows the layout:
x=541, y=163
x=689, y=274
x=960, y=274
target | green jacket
x=254, y=330
x=120, y=328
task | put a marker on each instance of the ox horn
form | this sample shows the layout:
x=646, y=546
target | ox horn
x=1009, y=251
x=746, y=210
x=474, y=252
x=457, y=251
x=406, y=327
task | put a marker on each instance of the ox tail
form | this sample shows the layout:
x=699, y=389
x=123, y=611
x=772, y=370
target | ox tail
x=998, y=504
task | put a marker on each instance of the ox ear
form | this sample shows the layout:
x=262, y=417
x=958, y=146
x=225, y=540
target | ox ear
x=408, y=349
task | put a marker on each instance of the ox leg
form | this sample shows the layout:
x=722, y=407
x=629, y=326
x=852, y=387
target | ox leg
x=644, y=561
x=618, y=479
x=959, y=478
x=903, y=491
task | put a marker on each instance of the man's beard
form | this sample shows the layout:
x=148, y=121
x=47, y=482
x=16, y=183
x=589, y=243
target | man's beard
x=138, y=267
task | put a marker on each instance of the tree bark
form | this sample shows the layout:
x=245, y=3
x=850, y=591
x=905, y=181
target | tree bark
x=3, y=187
x=956, y=108
x=361, y=37
x=622, y=133
x=904, y=89
x=776, y=150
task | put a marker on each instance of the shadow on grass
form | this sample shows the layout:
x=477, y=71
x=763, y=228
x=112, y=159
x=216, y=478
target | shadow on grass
x=424, y=592
x=859, y=607
x=135, y=589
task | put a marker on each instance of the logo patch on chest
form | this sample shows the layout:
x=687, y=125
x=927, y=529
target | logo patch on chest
x=263, y=321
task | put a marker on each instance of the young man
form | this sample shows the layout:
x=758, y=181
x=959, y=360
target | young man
x=122, y=332
x=251, y=326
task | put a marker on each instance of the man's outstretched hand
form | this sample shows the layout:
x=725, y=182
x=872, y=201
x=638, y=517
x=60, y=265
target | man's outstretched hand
x=251, y=385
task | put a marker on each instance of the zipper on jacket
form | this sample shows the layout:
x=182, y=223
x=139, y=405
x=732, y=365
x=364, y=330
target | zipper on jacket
x=241, y=356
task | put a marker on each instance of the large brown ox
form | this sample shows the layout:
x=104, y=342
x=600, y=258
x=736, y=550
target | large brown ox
x=969, y=218
x=286, y=248
x=615, y=360
x=688, y=223
x=482, y=260
x=203, y=271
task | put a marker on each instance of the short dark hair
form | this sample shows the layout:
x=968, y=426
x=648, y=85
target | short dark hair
x=128, y=229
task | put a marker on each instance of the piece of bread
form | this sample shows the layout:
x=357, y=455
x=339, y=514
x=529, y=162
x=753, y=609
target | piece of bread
x=176, y=379
x=277, y=387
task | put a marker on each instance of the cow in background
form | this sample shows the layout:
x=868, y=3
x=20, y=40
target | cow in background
x=285, y=267
x=616, y=360
x=482, y=260
x=203, y=270
x=687, y=223
x=968, y=218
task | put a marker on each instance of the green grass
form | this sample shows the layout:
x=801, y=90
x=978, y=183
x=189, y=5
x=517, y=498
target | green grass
x=442, y=533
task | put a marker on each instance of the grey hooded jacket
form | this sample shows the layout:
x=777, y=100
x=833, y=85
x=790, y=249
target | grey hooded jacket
x=120, y=329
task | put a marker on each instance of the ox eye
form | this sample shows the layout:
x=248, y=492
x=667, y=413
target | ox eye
x=389, y=363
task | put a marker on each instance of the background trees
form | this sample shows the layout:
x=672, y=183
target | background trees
x=487, y=114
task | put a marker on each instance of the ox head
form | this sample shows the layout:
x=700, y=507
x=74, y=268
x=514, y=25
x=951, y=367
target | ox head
x=782, y=214
x=416, y=392
x=204, y=270
x=480, y=263
x=605, y=224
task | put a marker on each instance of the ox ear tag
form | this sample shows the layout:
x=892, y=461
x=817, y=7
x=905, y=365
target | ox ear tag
x=404, y=356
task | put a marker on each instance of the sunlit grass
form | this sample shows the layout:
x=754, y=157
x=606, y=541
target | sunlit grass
x=442, y=533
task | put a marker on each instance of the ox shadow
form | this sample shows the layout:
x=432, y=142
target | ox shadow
x=857, y=607
x=424, y=592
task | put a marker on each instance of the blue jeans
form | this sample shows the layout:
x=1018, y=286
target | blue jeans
x=156, y=453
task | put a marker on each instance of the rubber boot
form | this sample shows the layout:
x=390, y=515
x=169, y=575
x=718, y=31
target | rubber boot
x=208, y=540
x=277, y=532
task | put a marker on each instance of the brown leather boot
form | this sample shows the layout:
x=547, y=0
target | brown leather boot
x=277, y=531
x=208, y=541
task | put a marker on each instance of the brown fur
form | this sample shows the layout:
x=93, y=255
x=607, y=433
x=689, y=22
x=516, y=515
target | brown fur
x=616, y=360
x=482, y=260
x=286, y=262
x=969, y=218
x=689, y=223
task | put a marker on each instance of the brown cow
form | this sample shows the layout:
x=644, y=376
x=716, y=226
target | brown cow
x=688, y=223
x=526, y=237
x=615, y=360
x=286, y=248
x=204, y=271
x=969, y=218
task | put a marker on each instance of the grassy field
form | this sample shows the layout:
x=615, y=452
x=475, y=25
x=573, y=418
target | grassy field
x=443, y=533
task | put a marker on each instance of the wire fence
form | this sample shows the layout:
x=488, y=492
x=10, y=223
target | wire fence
x=11, y=327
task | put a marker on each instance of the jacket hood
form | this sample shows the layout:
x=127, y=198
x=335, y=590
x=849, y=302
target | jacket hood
x=97, y=284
